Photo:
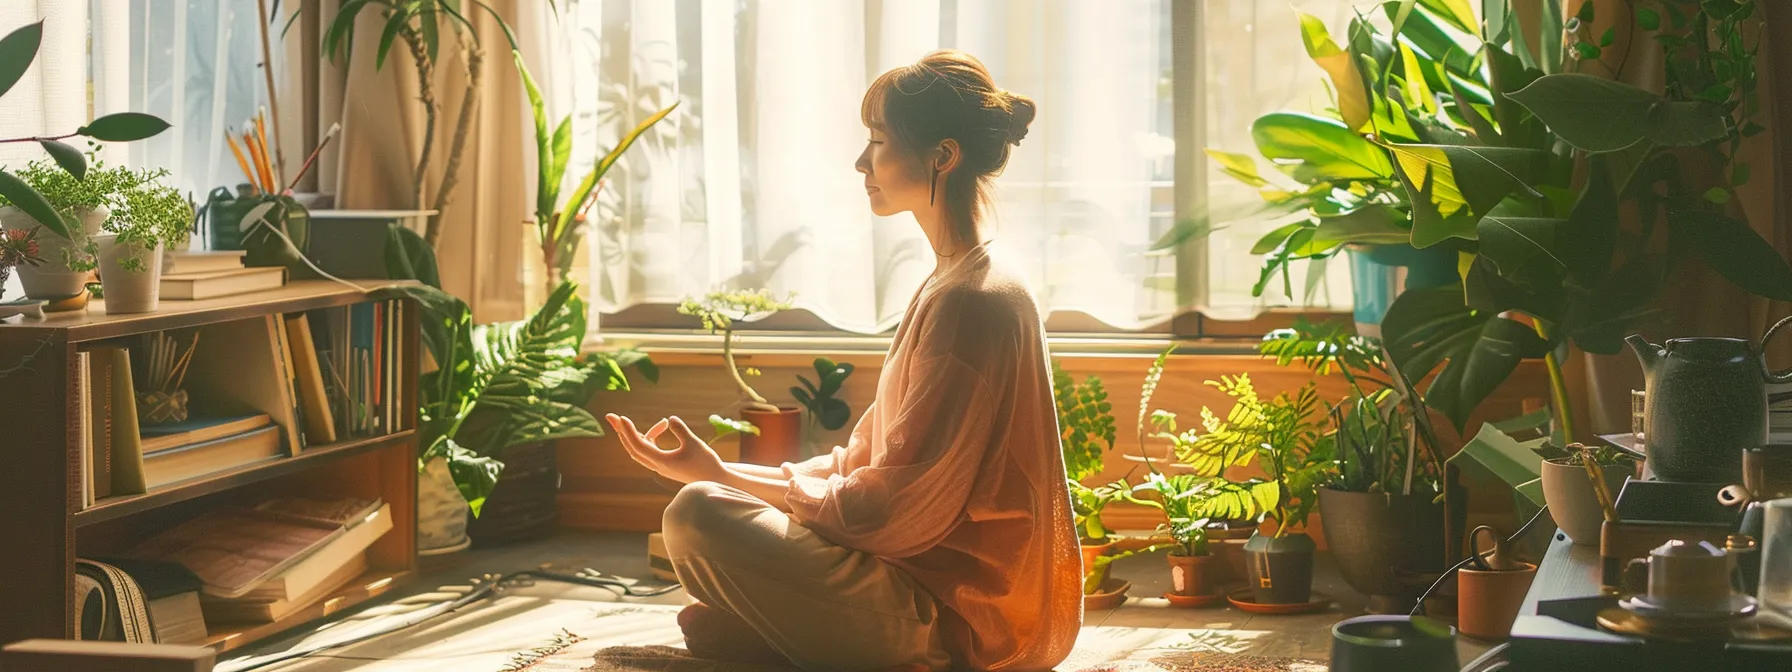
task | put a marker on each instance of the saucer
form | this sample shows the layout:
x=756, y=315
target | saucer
x=1741, y=606
x=1245, y=599
x=1194, y=601
x=31, y=309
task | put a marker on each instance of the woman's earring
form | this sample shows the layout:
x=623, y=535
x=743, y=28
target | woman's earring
x=933, y=184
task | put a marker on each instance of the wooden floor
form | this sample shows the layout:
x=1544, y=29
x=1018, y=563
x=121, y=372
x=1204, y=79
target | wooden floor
x=565, y=625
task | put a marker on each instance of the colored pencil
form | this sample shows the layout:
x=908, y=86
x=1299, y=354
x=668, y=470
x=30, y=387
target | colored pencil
x=261, y=179
x=261, y=133
x=241, y=162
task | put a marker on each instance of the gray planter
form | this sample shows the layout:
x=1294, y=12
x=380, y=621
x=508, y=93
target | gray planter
x=1388, y=546
x=1281, y=569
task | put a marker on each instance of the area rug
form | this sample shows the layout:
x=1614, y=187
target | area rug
x=669, y=659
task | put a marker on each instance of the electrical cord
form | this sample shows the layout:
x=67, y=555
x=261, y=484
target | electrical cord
x=483, y=588
x=1418, y=609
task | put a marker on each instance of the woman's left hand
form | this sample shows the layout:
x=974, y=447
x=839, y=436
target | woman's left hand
x=693, y=459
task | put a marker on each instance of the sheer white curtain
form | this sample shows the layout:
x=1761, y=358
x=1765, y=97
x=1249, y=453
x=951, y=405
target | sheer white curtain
x=51, y=98
x=751, y=183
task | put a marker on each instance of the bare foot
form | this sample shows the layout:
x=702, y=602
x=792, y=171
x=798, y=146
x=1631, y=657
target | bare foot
x=718, y=635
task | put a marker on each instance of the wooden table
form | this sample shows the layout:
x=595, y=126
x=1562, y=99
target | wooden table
x=1556, y=629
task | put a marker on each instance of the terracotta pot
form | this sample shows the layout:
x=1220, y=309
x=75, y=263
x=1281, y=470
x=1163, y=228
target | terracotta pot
x=1226, y=541
x=1111, y=594
x=1091, y=551
x=1571, y=500
x=1193, y=575
x=1488, y=602
x=522, y=505
x=1388, y=546
x=1280, y=568
x=780, y=437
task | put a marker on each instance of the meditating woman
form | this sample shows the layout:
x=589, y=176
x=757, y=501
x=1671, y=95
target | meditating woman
x=940, y=535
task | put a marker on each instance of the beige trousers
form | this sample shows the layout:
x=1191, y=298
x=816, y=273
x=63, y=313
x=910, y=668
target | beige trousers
x=823, y=606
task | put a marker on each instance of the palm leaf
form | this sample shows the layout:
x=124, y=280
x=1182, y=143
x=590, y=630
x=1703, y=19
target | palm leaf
x=564, y=224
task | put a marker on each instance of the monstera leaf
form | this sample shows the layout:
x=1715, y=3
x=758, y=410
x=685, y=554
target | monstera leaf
x=1428, y=328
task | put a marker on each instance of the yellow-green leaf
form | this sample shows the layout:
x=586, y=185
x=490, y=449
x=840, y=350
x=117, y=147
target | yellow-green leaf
x=1347, y=83
x=1417, y=92
x=1240, y=166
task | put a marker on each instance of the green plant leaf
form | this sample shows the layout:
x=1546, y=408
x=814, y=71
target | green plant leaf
x=1425, y=328
x=1416, y=91
x=17, y=51
x=1347, y=83
x=564, y=224
x=432, y=40
x=68, y=157
x=1515, y=242
x=474, y=475
x=834, y=414
x=547, y=190
x=1372, y=224
x=1240, y=166
x=409, y=257
x=1451, y=187
x=1276, y=237
x=124, y=127
x=1649, y=19
x=387, y=37
x=1314, y=149
x=1608, y=37
x=1456, y=12
x=27, y=199
x=725, y=426
x=340, y=36
x=1600, y=115
x=1733, y=249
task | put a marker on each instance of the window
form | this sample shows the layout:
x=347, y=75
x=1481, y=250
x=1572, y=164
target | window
x=751, y=183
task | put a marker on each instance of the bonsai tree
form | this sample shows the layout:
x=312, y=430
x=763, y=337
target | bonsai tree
x=719, y=311
x=508, y=383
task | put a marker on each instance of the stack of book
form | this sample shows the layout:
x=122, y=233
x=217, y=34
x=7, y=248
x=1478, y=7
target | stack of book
x=261, y=564
x=210, y=274
x=258, y=389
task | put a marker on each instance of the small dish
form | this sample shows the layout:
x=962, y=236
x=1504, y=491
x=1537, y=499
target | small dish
x=1245, y=599
x=1194, y=601
x=1741, y=606
x=31, y=309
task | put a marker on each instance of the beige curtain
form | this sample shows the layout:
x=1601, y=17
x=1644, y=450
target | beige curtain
x=1701, y=303
x=372, y=163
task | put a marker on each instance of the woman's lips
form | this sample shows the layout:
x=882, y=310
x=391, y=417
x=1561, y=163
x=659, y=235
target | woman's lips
x=871, y=190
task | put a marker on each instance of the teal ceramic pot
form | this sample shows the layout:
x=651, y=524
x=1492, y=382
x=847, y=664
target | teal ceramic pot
x=1280, y=568
x=1374, y=270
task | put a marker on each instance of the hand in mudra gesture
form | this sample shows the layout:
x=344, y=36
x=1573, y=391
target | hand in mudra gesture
x=692, y=460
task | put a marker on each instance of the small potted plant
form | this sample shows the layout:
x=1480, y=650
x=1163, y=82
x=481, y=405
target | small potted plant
x=148, y=217
x=1572, y=480
x=1086, y=427
x=18, y=249
x=1101, y=590
x=825, y=410
x=1384, y=510
x=83, y=204
x=779, y=438
x=1283, y=434
x=1194, y=571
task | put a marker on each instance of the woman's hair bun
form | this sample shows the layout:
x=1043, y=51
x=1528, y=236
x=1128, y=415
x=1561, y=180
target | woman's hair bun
x=1020, y=116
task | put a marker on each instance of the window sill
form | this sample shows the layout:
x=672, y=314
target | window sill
x=680, y=343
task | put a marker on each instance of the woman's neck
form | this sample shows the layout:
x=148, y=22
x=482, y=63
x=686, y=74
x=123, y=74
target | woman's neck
x=938, y=225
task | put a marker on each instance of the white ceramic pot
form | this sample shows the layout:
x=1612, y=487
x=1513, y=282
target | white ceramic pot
x=130, y=274
x=441, y=511
x=53, y=280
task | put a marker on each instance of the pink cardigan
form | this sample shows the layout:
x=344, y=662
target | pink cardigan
x=955, y=476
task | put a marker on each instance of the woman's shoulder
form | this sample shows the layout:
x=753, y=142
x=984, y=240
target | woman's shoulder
x=995, y=295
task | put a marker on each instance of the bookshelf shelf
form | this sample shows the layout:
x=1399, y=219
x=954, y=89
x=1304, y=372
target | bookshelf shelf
x=44, y=390
x=118, y=507
x=370, y=585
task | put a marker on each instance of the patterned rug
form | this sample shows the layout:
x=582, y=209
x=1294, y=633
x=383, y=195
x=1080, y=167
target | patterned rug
x=668, y=659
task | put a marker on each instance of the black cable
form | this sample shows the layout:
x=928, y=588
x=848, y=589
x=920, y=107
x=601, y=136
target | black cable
x=483, y=588
x=1419, y=608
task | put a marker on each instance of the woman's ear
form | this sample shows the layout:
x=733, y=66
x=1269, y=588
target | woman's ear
x=947, y=156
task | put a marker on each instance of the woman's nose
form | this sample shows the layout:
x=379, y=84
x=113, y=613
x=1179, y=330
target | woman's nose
x=863, y=164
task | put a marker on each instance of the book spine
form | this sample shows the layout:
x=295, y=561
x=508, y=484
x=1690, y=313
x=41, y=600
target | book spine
x=78, y=489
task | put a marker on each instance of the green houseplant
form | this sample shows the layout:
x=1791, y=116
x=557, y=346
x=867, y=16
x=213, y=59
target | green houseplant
x=17, y=249
x=1385, y=515
x=501, y=385
x=1194, y=570
x=1284, y=435
x=1086, y=433
x=82, y=205
x=826, y=410
x=777, y=430
x=147, y=218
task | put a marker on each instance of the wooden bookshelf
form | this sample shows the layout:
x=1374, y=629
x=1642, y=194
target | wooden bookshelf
x=45, y=528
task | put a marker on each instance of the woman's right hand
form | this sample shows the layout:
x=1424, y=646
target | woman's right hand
x=692, y=460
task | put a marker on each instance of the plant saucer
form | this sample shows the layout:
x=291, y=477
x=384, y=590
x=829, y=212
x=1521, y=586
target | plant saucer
x=1194, y=601
x=1246, y=600
x=31, y=309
